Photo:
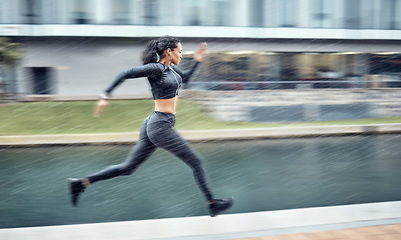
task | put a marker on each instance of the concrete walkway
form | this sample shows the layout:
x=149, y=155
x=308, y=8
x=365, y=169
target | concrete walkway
x=383, y=232
x=230, y=226
x=202, y=135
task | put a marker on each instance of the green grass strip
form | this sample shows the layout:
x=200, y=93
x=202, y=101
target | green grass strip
x=124, y=116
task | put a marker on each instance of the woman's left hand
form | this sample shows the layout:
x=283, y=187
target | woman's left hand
x=201, y=52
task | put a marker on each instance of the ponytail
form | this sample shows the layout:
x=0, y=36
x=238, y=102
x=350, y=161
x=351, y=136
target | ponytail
x=155, y=49
x=150, y=53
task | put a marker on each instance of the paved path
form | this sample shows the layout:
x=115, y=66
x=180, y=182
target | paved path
x=321, y=222
x=386, y=232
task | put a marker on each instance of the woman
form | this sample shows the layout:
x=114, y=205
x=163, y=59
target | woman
x=157, y=130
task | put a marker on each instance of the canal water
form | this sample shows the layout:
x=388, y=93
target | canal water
x=261, y=175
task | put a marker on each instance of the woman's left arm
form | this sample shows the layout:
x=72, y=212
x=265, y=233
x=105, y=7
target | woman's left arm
x=200, y=53
x=198, y=58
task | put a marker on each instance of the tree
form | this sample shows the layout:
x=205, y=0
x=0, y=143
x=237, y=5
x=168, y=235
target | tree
x=10, y=53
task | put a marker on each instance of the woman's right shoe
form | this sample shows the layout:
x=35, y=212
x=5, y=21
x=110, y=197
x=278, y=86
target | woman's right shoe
x=220, y=205
x=76, y=187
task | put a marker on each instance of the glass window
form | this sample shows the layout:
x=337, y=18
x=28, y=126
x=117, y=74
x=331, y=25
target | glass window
x=80, y=11
x=222, y=12
x=237, y=70
x=194, y=10
x=397, y=15
x=257, y=14
x=352, y=12
x=323, y=13
x=381, y=63
x=287, y=13
x=122, y=11
x=391, y=18
x=369, y=14
x=272, y=70
x=30, y=11
x=240, y=70
x=150, y=10
x=385, y=69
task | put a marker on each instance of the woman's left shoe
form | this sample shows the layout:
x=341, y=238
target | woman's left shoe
x=76, y=187
x=220, y=205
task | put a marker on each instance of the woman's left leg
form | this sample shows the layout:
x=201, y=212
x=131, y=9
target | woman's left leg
x=140, y=153
x=164, y=135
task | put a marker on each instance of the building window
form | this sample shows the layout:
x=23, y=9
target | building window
x=222, y=12
x=122, y=11
x=194, y=12
x=369, y=13
x=257, y=15
x=243, y=70
x=287, y=13
x=352, y=14
x=80, y=11
x=323, y=13
x=30, y=11
x=150, y=9
x=41, y=80
x=390, y=14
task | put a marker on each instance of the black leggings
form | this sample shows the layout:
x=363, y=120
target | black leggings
x=158, y=131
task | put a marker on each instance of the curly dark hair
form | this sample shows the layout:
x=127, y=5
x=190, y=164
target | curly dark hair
x=158, y=46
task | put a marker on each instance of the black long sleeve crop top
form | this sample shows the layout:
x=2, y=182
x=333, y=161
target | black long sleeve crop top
x=165, y=81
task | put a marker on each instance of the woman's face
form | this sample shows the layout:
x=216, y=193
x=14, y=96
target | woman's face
x=176, y=54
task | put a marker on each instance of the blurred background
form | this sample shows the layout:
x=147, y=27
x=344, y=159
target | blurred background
x=267, y=61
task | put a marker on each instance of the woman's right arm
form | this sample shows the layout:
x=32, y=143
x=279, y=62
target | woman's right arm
x=136, y=72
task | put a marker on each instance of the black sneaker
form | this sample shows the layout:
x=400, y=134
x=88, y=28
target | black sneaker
x=219, y=206
x=76, y=187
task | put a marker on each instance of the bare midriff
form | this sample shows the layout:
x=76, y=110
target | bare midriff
x=166, y=105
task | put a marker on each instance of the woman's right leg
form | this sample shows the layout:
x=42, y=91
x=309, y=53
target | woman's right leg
x=139, y=154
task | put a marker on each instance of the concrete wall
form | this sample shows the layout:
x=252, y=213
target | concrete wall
x=81, y=66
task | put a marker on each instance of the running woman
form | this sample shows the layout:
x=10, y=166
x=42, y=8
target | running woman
x=160, y=59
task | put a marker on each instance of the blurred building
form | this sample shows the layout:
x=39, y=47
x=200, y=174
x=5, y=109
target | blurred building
x=76, y=47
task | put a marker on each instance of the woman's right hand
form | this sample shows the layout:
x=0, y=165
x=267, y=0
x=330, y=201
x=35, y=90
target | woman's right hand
x=101, y=105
